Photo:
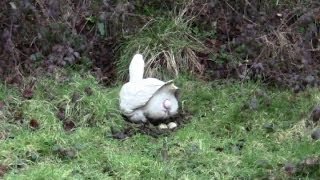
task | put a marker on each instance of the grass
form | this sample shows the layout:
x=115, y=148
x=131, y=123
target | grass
x=226, y=138
x=168, y=44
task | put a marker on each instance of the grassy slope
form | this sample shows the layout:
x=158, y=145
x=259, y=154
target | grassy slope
x=220, y=120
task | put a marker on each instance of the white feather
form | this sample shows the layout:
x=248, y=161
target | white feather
x=136, y=68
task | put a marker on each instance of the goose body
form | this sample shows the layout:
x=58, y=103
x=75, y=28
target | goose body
x=150, y=98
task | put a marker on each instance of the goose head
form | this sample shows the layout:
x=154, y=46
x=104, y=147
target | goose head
x=163, y=104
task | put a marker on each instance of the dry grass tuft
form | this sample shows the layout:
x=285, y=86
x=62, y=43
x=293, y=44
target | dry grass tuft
x=168, y=45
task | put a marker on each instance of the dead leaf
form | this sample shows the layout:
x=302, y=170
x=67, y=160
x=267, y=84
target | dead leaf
x=34, y=124
x=3, y=169
x=27, y=93
x=2, y=105
x=290, y=169
x=69, y=125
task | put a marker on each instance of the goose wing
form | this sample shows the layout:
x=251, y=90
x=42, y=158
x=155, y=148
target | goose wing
x=134, y=95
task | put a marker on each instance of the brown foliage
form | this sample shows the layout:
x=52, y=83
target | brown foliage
x=278, y=43
x=281, y=41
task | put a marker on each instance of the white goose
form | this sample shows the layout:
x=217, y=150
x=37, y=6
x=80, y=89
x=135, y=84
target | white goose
x=150, y=98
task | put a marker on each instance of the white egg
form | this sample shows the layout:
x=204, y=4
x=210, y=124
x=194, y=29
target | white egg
x=162, y=126
x=172, y=125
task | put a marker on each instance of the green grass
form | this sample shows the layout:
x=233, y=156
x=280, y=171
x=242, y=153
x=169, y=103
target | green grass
x=168, y=44
x=202, y=149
